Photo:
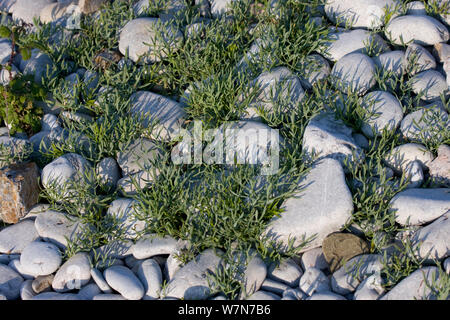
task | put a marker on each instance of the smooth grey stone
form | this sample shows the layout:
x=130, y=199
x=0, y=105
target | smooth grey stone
x=390, y=62
x=274, y=286
x=105, y=296
x=5, y=51
x=153, y=245
x=316, y=69
x=98, y=278
x=150, y=275
x=126, y=213
x=277, y=84
x=163, y=115
x=49, y=122
x=423, y=30
x=313, y=281
x=314, y=258
x=384, y=111
x=17, y=267
x=251, y=271
x=415, y=286
x=352, y=41
x=138, y=39
x=108, y=173
x=287, y=272
x=416, y=8
x=347, y=278
x=56, y=296
x=316, y=213
x=263, y=295
x=370, y=289
x=420, y=206
x=73, y=274
x=293, y=294
x=446, y=265
x=190, y=282
x=64, y=171
x=27, y=10
x=220, y=7
x=354, y=72
x=440, y=167
x=39, y=65
x=6, y=5
x=399, y=158
x=40, y=258
x=426, y=123
x=26, y=290
x=367, y=14
x=414, y=173
x=14, y=238
x=112, y=252
x=89, y=291
x=326, y=136
x=139, y=155
x=417, y=59
x=431, y=84
x=361, y=141
x=125, y=282
x=58, y=227
x=432, y=241
x=326, y=296
x=10, y=282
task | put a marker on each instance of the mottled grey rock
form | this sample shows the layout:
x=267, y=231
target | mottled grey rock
x=40, y=258
x=314, y=281
x=57, y=227
x=415, y=287
x=347, y=278
x=14, y=238
x=153, y=245
x=384, y=111
x=431, y=84
x=352, y=41
x=139, y=39
x=326, y=136
x=433, y=240
x=368, y=14
x=42, y=283
x=287, y=272
x=323, y=206
x=423, y=30
x=354, y=72
x=164, y=116
x=150, y=275
x=190, y=281
x=10, y=282
x=73, y=274
x=125, y=282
